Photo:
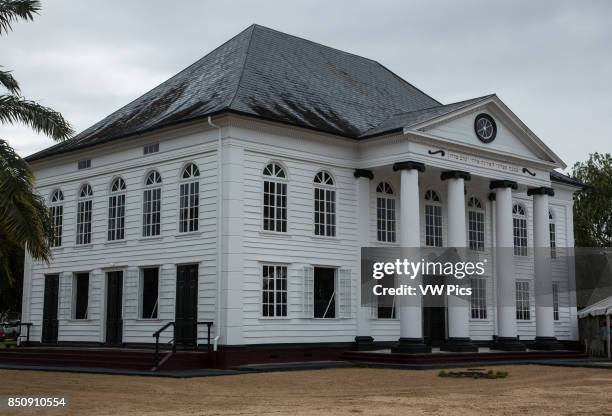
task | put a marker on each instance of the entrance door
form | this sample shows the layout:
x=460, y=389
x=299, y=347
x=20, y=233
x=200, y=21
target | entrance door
x=434, y=314
x=186, y=314
x=114, y=296
x=49, y=329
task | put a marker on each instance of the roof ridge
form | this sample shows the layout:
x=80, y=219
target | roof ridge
x=243, y=68
x=475, y=99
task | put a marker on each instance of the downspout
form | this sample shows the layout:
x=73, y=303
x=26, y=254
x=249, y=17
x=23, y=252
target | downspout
x=219, y=223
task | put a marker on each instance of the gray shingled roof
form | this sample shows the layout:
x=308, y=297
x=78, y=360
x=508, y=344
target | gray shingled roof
x=271, y=75
x=562, y=178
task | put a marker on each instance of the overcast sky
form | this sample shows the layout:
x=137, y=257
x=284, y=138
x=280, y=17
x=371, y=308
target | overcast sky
x=549, y=61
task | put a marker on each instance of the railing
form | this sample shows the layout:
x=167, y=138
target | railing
x=172, y=341
x=27, y=336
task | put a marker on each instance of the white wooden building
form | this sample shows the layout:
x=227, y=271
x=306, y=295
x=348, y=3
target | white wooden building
x=241, y=191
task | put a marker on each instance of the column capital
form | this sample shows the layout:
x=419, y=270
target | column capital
x=363, y=173
x=455, y=174
x=409, y=165
x=492, y=196
x=541, y=191
x=504, y=183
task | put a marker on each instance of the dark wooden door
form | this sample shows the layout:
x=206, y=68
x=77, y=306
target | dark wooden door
x=434, y=314
x=50, y=323
x=114, y=297
x=186, y=315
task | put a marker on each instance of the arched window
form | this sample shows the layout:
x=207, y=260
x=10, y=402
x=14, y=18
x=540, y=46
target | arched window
x=519, y=223
x=84, y=209
x=189, y=204
x=553, y=235
x=116, y=210
x=385, y=213
x=476, y=224
x=275, y=198
x=56, y=211
x=324, y=205
x=433, y=219
x=151, y=205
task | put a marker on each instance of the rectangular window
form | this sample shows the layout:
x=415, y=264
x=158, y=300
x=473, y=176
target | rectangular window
x=116, y=217
x=189, y=207
x=150, y=148
x=84, y=164
x=324, y=296
x=433, y=225
x=520, y=236
x=274, y=291
x=553, y=241
x=325, y=212
x=275, y=206
x=555, y=300
x=149, y=293
x=84, y=222
x=386, y=304
x=523, y=311
x=385, y=219
x=57, y=217
x=81, y=295
x=476, y=234
x=478, y=298
x=151, y=212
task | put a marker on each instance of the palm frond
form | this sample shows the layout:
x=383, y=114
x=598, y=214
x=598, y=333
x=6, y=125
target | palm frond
x=24, y=216
x=15, y=109
x=13, y=10
x=9, y=82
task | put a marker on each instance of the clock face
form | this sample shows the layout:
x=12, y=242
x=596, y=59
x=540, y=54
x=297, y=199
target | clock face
x=485, y=128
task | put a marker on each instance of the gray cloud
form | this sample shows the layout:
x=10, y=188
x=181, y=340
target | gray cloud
x=550, y=61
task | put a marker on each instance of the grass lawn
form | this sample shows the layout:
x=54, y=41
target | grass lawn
x=540, y=390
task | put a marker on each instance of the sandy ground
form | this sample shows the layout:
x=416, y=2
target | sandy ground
x=540, y=390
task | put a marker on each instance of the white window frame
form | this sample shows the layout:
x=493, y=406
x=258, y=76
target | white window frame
x=141, y=292
x=150, y=148
x=116, y=210
x=519, y=229
x=478, y=299
x=84, y=215
x=151, y=198
x=552, y=232
x=433, y=212
x=523, y=300
x=56, y=211
x=476, y=224
x=386, y=214
x=555, y=301
x=325, y=186
x=189, y=214
x=274, y=291
x=274, y=175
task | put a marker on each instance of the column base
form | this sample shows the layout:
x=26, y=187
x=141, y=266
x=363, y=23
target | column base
x=364, y=343
x=411, y=346
x=508, y=344
x=459, y=345
x=546, y=344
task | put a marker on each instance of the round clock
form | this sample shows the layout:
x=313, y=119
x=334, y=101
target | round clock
x=485, y=128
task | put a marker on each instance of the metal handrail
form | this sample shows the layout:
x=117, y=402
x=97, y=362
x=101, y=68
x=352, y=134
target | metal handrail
x=27, y=336
x=208, y=325
x=156, y=335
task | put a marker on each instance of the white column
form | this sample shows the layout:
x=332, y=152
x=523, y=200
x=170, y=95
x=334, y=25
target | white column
x=506, y=286
x=545, y=329
x=363, y=338
x=458, y=307
x=411, y=325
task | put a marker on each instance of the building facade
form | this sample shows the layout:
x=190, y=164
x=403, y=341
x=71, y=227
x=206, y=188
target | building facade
x=180, y=209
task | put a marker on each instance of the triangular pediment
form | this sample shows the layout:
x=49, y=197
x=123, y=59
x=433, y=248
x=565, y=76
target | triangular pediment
x=512, y=136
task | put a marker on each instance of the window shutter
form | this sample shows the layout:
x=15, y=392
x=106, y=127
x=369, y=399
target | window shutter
x=344, y=289
x=308, y=293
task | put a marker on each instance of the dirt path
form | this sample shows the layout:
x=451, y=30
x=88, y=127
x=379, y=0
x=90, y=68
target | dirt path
x=537, y=390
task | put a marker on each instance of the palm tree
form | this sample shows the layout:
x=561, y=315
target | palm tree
x=24, y=217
